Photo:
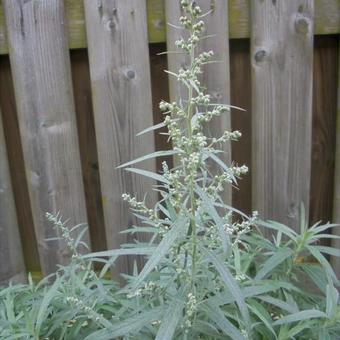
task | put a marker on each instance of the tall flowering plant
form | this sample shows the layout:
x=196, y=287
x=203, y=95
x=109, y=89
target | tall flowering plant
x=209, y=272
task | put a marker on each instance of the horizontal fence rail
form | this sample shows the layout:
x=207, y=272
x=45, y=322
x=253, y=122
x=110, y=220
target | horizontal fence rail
x=76, y=113
x=326, y=21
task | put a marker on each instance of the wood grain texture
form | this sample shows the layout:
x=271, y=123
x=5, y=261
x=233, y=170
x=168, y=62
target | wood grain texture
x=121, y=88
x=324, y=122
x=156, y=21
x=17, y=167
x=240, y=92
x=43, y=90
x=12, y=267
x=282, y=69
x=336, y=202
x=327, y=21
x=216, y=77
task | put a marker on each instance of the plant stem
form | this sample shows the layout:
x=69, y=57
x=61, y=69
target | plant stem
x=191, y=185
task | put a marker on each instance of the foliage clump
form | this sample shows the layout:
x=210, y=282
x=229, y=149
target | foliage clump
x=209, y=272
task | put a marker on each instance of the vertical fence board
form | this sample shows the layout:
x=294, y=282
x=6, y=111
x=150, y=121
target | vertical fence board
x=336, y=206
x=121, y=87
x=16, y=165
x=43, y=89
x=12, y=265
x=216, y=76
x=282, y=64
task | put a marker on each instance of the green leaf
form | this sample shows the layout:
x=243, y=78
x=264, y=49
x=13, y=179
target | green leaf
x=280, y=256
x=177, y=229
x=149, y=174
x=278, y=303
x=120, y=252
x=210, y=209
x=126, y=326
x=279, y=227
x=300, y=316
x=217, y=316
x=262, y=314
x=316, y=274
x=328, y=250
x=323, y=261
x=303, y=222
x=149, y=156
x=332, y=297
x=172, y=316
x=298, y=329
x=48, y=297
x=319, y=229
x=151, y=128
x=230, y=283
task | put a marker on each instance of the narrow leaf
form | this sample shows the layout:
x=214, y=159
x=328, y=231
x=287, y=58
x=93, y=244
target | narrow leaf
x=149, y=174
x=230, y=283
x=149, y=156
x=172, y=316
x=280, y=256
x=151, y=128
x=177, y=228
x=300, y=316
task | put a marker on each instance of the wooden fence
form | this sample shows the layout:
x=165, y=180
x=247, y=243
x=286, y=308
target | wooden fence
x=78, y=80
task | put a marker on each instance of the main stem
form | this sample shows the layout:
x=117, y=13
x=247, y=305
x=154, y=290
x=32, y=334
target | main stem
x=191, y=185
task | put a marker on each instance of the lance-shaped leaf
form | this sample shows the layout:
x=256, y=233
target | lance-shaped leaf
x=230, y=283
x=280, y=256
x=172, y=316
x=149, y=156
x=177, y=229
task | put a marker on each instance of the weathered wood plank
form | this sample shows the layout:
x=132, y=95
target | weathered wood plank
x=216, y=77
x=327, y=21
x=43, y=89
x=336, y=203
x=16, y=164
x=282, y=69
x=156, y=21
x=121, y=88
x=12, y=267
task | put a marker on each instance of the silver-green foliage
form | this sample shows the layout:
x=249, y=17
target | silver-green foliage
x=209, y=271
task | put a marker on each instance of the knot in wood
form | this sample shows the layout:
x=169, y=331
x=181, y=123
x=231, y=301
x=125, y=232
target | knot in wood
x=110, y=25
x=302, y=24
x=130, y=74
x=260, y=55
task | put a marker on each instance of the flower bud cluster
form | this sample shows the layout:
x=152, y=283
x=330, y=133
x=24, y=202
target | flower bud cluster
x=238, y=171
x=65, y=232
x=243, y=227
x=186, y=22
x=204, y=57
x=201, y=99
x=171, y=107
x=227, y=135
x=139, y=206
x=209, y=115
x=191, y=307
x=184, y=45
x=89, y=311
x=148, y=289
